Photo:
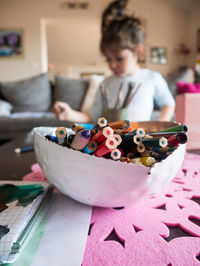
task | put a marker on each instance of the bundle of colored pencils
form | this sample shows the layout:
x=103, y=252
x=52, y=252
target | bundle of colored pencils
x=118, y=141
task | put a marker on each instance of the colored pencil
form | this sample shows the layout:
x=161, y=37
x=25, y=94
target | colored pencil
x=25, y=149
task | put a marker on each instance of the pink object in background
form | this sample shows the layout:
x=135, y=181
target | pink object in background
x=188, y=113
x=183, y=87
x=36, y=174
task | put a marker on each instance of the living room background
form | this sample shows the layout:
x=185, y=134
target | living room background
x=51, y=35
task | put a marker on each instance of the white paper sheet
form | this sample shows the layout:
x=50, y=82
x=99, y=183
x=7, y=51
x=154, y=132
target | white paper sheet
x=65, y=235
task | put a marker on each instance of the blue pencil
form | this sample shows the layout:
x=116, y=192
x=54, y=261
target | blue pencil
x=25, y=149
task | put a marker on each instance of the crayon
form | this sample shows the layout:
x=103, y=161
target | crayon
x=25, y=149
x=106, y=146
x=155, y=142
x=104, y=133
x=175, y=140
x=115, y=154
x=123, y=124
x=61, y=134
x=178, y=128
x=80, y=140
x=91, y=147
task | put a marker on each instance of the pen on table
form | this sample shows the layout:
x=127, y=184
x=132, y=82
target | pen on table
x=25, y=149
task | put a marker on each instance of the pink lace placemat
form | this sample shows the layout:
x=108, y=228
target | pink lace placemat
x=162, y=230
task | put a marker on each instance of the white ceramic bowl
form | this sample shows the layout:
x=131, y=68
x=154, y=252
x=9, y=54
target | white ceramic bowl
x=99, y=181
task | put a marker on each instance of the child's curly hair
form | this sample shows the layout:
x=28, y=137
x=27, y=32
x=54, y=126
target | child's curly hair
x=119, y=30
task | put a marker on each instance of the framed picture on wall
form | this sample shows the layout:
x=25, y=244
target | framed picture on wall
x=158, y=55
x=11, y=43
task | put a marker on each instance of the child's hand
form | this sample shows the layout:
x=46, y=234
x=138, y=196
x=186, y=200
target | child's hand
x=62, y=110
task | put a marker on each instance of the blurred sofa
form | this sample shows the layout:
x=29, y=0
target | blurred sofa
x=26, y=104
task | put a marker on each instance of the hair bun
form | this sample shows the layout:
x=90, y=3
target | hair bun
x=115, y=11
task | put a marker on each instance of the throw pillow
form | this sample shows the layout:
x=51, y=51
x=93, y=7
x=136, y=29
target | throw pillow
x=71, y=91
x=184, y=74
x=5, y=108
x=188, y=87
x=95, y=81
x=28, y=95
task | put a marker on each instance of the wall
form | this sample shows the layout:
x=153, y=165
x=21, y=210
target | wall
x=166, y=28
x=73, y=42
x=194, y=25
x=32, y=16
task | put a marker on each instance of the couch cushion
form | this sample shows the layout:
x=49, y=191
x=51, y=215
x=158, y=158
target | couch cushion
x=5, y=108
x=32, y=94
x=71, y=91
x=10, y=128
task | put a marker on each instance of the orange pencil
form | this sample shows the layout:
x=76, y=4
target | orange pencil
x=123, y=124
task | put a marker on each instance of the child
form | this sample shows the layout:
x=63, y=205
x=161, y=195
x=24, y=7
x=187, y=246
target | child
x=122, y=44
